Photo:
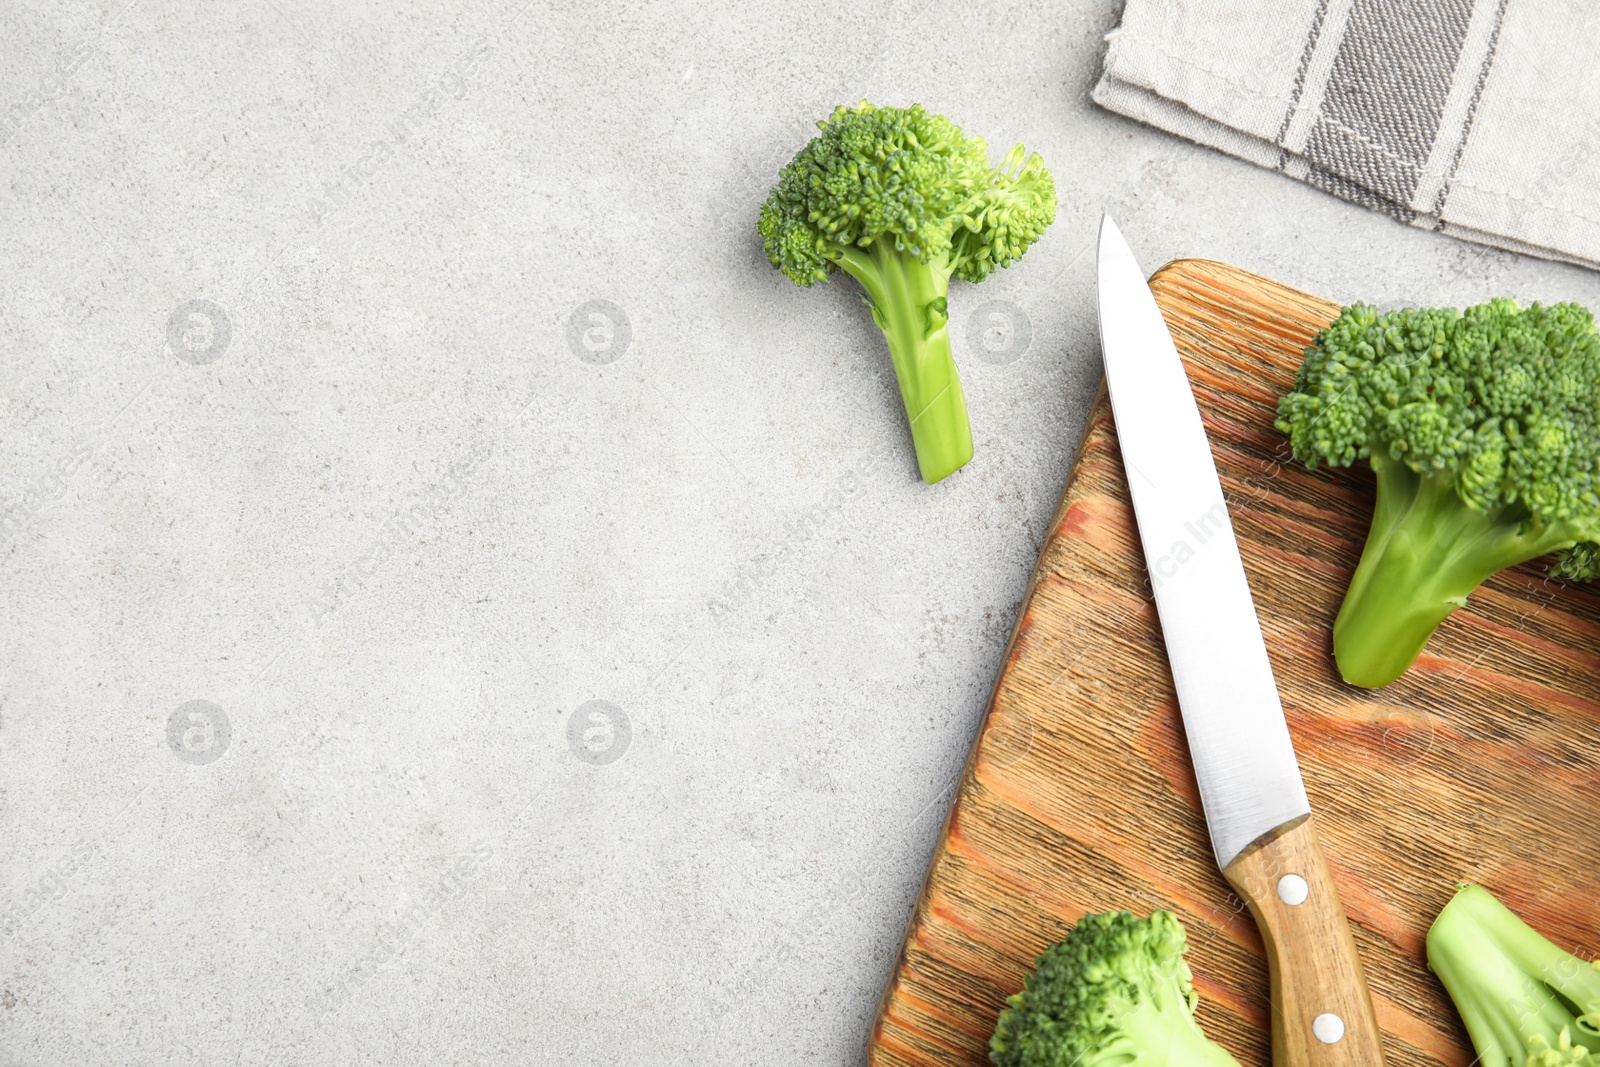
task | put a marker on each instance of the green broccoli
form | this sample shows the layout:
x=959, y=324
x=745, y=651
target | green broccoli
x=901, y=200
x=1525, y=1002
x=1115, y=993
x=1481, y=428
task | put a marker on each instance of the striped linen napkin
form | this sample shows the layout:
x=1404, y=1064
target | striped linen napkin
x=1480, y=118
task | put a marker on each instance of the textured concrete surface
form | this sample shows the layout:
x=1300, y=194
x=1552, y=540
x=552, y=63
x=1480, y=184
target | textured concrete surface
x=458, y=604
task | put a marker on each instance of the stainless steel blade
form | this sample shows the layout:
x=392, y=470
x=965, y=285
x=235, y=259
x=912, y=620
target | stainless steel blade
x=1238, y=739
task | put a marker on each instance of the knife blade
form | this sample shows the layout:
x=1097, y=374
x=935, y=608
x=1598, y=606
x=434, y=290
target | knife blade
x=1238, y=739
x=1251, y=792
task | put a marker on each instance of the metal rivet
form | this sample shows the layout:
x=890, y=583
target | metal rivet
x=1292, y=890
x=1328, y=1027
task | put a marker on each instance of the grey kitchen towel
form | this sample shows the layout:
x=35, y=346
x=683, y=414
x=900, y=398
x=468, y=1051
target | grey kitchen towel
x=1480, y=118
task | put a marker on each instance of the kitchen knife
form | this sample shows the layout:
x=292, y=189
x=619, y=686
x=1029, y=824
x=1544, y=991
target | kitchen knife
x=1255, y=803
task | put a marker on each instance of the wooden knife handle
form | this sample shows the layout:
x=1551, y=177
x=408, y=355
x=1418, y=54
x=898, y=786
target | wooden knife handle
x=1321, y=1012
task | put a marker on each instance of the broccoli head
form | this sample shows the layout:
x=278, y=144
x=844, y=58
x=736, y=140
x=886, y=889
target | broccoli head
x=902, y=200
x=1525, y=1002
x=1115, y=993
x=1481, y=428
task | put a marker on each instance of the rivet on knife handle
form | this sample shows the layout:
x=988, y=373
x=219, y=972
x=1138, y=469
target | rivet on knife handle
x=1321, y=1013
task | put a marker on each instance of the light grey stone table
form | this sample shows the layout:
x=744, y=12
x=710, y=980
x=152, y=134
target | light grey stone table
x=458, y=603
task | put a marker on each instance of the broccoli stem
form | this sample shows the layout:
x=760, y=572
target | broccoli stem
x=1426, y=552
x=909, y=304
x=1167, y=1034
x=1509, y=983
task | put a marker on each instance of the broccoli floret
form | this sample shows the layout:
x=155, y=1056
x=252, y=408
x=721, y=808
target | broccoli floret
x=1481, y=428
x=1525, y=1002
x=902, y=200
x=1115, y=993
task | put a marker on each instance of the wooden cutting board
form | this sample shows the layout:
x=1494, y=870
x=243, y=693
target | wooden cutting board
x=1482, y=764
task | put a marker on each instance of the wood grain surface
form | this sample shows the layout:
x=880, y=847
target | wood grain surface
x=1482, y=764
